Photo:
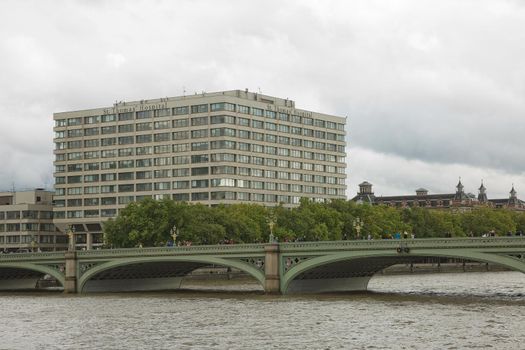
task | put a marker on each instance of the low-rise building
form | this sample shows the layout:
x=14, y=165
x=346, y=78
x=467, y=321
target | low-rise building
x=458, y=200
x=26, y=222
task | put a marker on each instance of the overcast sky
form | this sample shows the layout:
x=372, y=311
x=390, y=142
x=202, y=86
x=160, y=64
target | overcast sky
x=433, y=90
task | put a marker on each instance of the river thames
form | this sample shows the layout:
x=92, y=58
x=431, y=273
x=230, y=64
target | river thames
x=434, y=311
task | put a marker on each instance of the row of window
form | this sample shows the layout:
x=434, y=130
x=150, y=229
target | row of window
x=197, y=196
x=196, y=134
x=257, y=185
x=27, y=227
x=182, y=160
x=202, y=108
x=25, y=214
x=256, y=124
x=185, y=172
x=12, y=239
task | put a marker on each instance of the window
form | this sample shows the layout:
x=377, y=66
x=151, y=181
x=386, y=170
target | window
x=284, y=117
x=195, y=134
x=162, y=149
x=223, y=119
x=218, y=170
x=165, y=124
x=144, y=114
x=180, y=135
x=74, y=121
x=125, y=152
x=181, y=160
x=74, y=179
x=60, y=122
x=243, y=146
x=182, y=147
x=108, y=165
x=222, y=183
x=269, y=114
x=180, y=110
x=221, y=157
x=222, y=132
x=180, y=185
x=161, y=161
x=140, y=163
x=163, y=173
x=91, y=190
x=108, y=129
x=199, y=146
x=257, y=124
x=125, y=164
x=75, y=133
x=200, y=158
x=126, y=176
x=243, y=109
x=91, y=143
x=143, y=126
x=125, y=140
x=143, y=138
x=140, y=151
x=125, y=116
x=73, y=144
x=162, y=137
x=223, y=144
x=199, y=196
x=199, y=171
x=180, y=123
x=91, y=131
x=257, y=112
x=91, y=178
x=106, y=118
x=126, y=128
x=222, y=106
x=126, y=188
x=144, y=187
x=162, y=112
x=199, y=108
x=141, y=175
x=196, y=121
x=108, y=177
x=181, y=172
x=108, y=141
x=243, y=121
x=161, y=186
x=181, y=197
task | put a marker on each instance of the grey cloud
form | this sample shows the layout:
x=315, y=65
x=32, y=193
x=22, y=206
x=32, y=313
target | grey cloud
x=439, y=82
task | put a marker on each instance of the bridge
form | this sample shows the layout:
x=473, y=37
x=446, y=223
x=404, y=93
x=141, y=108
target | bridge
x=298, y=267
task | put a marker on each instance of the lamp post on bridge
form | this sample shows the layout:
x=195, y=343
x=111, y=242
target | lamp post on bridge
x=358, y=225
x=173, y=233
x=71, y=237
x=271, y=224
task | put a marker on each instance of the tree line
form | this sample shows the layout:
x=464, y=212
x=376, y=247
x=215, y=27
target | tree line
x=158, y=223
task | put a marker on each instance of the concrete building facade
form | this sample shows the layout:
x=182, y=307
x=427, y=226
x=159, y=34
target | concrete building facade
x=224, y=147
x=26, y=222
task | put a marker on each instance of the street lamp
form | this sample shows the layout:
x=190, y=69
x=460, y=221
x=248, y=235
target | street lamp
x=33, y=243
x=358, y=225
x=271, y=224
x=71, y=237
x=173, y=232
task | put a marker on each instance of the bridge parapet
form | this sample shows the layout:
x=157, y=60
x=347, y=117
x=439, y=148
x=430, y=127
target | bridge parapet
x=178, y=250
x=445, y=243
x=32, y=256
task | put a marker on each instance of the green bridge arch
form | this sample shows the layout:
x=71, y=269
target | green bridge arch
x=478, y=256
x=45, y=270
x=205, y=260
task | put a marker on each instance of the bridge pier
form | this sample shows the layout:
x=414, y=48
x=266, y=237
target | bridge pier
x=70, y=285
x=272, y=281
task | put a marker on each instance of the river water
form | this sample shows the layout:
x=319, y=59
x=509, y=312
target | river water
x=434, y=311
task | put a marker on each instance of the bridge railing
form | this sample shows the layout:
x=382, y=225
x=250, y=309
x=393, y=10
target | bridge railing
x=461, y=242
x=32, y=256
x=182, y=250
